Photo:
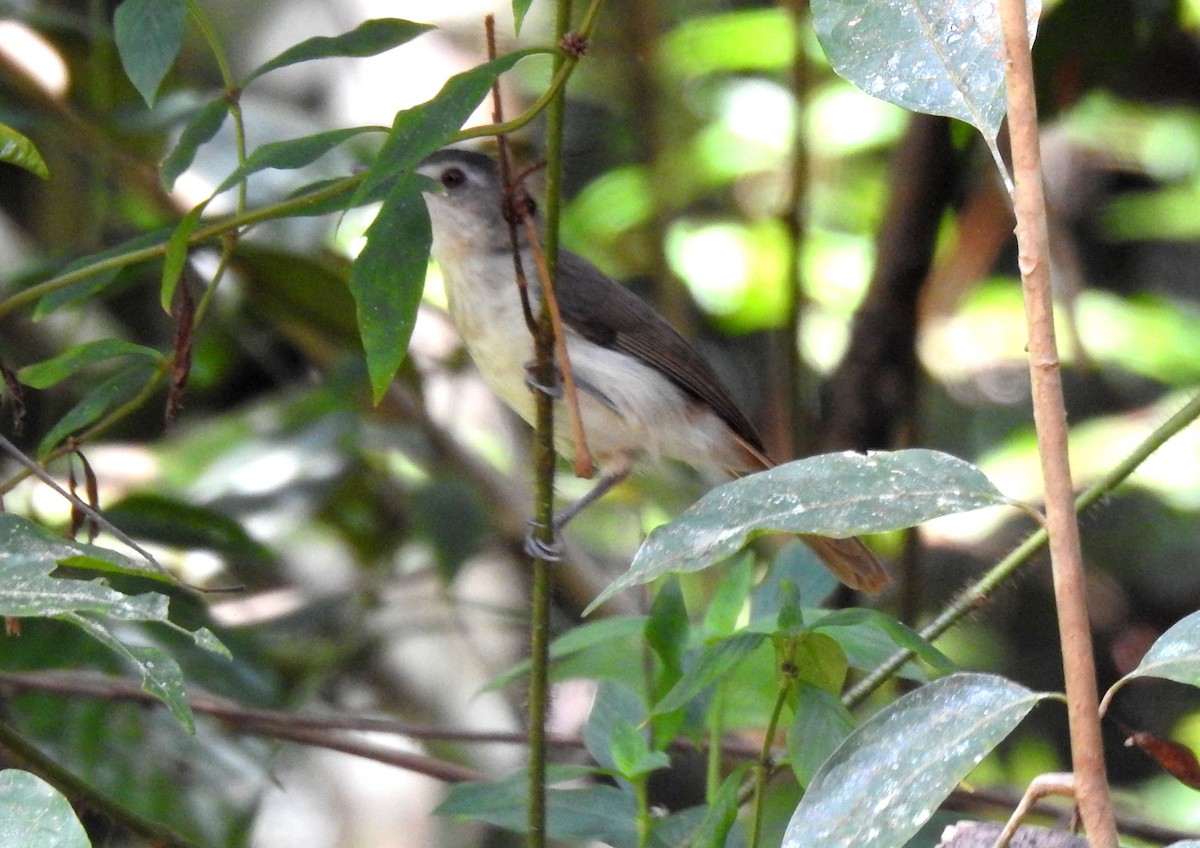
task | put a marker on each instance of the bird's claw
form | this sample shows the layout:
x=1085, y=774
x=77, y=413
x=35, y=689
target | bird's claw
x=554, y=389
x=539, y=548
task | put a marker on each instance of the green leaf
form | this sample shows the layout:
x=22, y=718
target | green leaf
x=715, y=662
x=1175, y=655
x=614, y=704
x=387, y=280
x=18, y=150
x=99, y=279
x=890, y=774
x=421, y=130
x=25, y=542
x=42, y=375
x=166, y=521
x=631, y=753
x=596, y=814
x=198, y=132
x=942, y=57
x=819, y=660
x=579, y=639
x=520, y=8
x=821, y=724
x=898, y=634
x=838, y=495
x=744, y=40
x=120, y=387
x=725, y=609
x=161, y=675
x=291, y=154
x=368, y=39
x=667, y=632
x=149, y=34
x=178, y=248
x=721, y=815
x=36, y=815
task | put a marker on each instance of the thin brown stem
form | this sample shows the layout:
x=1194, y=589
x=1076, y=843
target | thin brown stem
x=1050, y=420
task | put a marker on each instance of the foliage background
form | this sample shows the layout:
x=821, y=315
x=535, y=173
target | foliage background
x=379, y=545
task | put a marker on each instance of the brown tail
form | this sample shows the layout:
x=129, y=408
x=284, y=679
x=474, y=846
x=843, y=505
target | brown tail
x=851, y=562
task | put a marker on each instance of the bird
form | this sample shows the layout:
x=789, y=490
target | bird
x=644, y=392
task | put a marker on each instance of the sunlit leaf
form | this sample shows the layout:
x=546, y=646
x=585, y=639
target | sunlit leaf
x=838, y=495
x=17, y=150
x=42, y=375
x=33, y=814
x=747, y=39
x=890, y=774
x=198, y=132
x=367, y=39
x=943, y=57
x=387, y=280
x=149, y=34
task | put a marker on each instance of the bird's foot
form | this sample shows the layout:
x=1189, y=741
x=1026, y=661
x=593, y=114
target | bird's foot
x=539, y=548
x=553, y=388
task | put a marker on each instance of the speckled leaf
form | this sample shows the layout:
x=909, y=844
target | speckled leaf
x=943, y=57
x=1175, y=655
x=33, y=814
x=839, y=495
x=890, y=775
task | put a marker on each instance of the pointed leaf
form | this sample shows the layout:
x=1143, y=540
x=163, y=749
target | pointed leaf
x=178, y=249
x=839, y=495
x=23, y=541
x=149, y=34
x=900, y=635
x=291, y=154
x=387, y=280
x=579, y=639
x=42, y=375
x=943, y=57
x=1175, y=655
x=520, y=8
x=17, y=150
x=121, y=386
x=421, y=130
x=33, y=814
x=631, y=753
x=367, y=39
x=890, y=775
x=721, y=814
x=161, y=675
x=715, y=662
x=100, y=277
x=198, y=132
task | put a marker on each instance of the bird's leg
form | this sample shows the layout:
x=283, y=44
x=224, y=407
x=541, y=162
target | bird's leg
x=554, y=389
x=553, y=552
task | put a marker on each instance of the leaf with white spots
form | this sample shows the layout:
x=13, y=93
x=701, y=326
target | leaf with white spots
x=837, y=494
x=890, y=775
x=33, y=814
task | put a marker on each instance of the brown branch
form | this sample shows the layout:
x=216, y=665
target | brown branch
x=1050, y=421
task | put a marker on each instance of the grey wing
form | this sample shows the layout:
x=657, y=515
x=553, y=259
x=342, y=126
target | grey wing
x=606, y=313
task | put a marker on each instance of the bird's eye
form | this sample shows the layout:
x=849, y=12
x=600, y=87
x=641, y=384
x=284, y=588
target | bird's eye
x=453, y=177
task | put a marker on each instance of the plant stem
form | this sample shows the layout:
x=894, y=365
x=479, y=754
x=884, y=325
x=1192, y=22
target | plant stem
x=762, y=768
x=1050, y=419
